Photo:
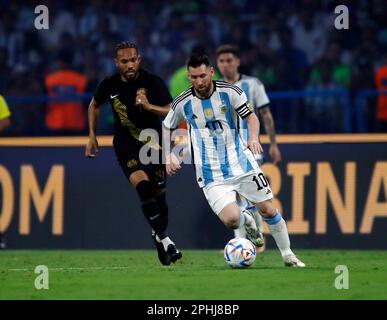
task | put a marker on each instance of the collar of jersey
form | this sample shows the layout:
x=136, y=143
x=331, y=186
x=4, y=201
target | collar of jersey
x=194, y=93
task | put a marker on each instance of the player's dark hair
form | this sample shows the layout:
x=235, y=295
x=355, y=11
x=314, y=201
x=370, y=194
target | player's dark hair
x=125, y=45
x=227, y=48
x=196, y=60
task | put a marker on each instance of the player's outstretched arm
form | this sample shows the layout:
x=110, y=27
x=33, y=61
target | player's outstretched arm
x=268, y=122
x=93, y=116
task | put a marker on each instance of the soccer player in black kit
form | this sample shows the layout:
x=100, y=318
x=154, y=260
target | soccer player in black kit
x=138, y=99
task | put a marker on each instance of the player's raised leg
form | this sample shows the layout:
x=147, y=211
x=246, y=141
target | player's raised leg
x=222, y=200
x=233, y=218
x=240, y=232
x=279, y=231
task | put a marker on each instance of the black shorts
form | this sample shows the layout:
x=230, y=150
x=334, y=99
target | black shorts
x=128, y=159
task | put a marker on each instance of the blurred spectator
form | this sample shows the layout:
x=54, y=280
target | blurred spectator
x=28, y=117
x=341, y=72
x=296, y=58
x=381, y=84
x=324, y=111
x=310, y=33
x=5, y=71
x=281, y=43
x=65, y=116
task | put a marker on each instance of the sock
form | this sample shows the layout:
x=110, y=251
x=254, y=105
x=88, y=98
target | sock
x=259, y=219
x=151, y=209
x=162, y=202
x=166, y=242
x=240, y=232
x=242, y=220
x=279, y=231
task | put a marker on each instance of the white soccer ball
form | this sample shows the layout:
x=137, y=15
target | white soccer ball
x=240, y=253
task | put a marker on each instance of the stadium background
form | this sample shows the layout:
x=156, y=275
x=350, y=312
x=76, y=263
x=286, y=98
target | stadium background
x=321, y=81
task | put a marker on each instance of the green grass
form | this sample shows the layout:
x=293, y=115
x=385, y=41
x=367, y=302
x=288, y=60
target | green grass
x=199, y=275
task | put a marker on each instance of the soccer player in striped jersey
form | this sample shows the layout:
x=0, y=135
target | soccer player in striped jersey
x=225, y=165
x=228, y=64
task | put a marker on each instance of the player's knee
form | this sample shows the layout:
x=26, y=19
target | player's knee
x=267, y=209
x=232, y=222
x=138, y=177
x=230, y=216
x=145, y=190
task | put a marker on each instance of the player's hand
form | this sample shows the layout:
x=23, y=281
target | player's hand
x=92, y=145
x=173, y=164
x=275, y=154
x=142, y=101
x=254, y=146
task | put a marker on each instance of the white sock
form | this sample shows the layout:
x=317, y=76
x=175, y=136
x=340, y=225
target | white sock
x=279, y=231
x=242, y=220
x=259, y=221
x=166, y=242
x=240, y=232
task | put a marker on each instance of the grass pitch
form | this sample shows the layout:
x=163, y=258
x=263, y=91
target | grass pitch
x=137, y=275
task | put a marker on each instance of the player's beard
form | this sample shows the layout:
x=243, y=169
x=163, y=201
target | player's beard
x=204, y=92
x=131, y=76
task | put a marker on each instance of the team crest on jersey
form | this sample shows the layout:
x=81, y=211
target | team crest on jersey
x=132, y=163
x=223, y=108
x=208, y=113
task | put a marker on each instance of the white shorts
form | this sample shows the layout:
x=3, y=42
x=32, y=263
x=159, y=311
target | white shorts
x=253, y=186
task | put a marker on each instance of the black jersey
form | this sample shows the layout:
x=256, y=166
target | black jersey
x=129, y=119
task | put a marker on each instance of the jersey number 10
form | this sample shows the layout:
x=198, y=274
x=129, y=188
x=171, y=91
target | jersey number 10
x=262, y=181
x=215, y=127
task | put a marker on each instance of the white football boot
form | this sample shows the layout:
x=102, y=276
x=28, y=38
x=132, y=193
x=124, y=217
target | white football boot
x=251, y=228
x=291, y=260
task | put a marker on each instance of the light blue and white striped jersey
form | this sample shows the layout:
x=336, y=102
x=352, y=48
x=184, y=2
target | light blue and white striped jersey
x=213, y=126
x=256, y=95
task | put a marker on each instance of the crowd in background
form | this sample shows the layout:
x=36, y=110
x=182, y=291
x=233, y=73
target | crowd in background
x=289, y=45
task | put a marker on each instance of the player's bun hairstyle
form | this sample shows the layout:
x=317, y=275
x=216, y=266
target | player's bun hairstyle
x=125, y=45
x=196, y=60
x=227, y=48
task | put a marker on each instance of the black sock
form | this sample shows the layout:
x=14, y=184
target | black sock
x=161, y=201
x=151, y=209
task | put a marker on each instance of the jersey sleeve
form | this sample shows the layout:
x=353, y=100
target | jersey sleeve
x=240, y=103
x=160, y=93
x=260, y=97
x=101, y=94
x=174, y=117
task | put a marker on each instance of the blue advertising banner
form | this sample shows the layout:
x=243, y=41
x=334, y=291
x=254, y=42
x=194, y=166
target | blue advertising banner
x=331, y=190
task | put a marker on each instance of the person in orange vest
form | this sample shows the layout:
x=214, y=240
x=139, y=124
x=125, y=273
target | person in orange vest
x=381, y=84
x=65, y=116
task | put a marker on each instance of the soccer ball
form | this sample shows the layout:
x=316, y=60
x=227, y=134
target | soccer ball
x=240, y=253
